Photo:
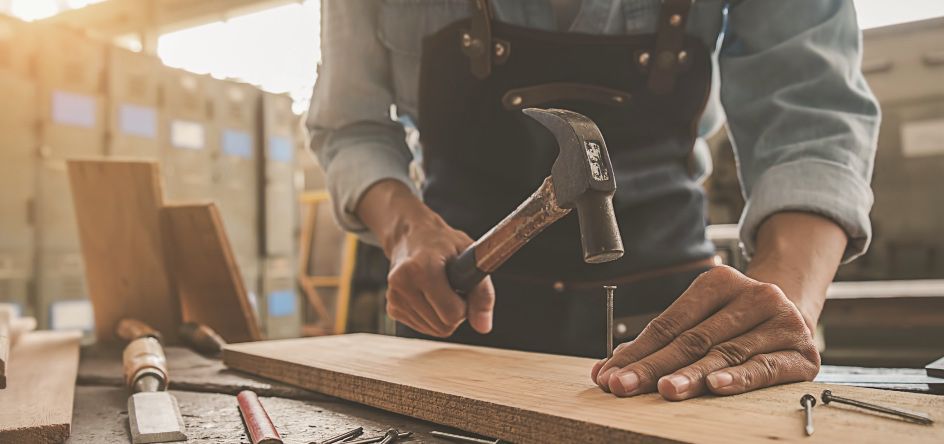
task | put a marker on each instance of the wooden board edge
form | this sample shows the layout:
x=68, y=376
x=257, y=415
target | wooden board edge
x=477, y=418
x=51, y=433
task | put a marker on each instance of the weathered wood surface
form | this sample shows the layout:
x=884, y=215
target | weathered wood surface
x=209, y=284
x=117, y=206
x=36, y=408
x=536, y=398
x=101, y=416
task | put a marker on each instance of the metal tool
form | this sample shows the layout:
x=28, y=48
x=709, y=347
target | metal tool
x=828, y=397
x=808, y=401
x=201, y=338
x=454, y=437
x=390, y=437
x=353, y=433
x=581, y=178
x=377, y=439
x=609, y=320
x=153, y=414
x=258, y=424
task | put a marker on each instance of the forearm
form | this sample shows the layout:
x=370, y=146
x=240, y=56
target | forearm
x=390, y=209
x=800, y=253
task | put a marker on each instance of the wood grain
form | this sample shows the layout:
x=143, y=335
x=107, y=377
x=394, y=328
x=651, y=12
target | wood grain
x=117, y=205
x=537, y=398
x=37, y=407
x=208, y=280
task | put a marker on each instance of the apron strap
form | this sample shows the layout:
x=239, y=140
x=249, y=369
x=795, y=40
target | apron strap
x=669, y=54
x=477, y=42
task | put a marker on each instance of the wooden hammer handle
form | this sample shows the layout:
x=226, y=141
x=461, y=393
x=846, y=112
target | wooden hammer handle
x=501, y=242
x=258, y=424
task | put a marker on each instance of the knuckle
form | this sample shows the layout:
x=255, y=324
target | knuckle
x=718, y=273
x=768, y=292
x=694, y=343
x=663, y=329
x=767, y=371
x=646, y=370
x=731, y=353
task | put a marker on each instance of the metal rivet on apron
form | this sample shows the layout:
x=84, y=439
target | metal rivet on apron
x=516, y=101
x=499, y=50
x=621, y=329
x=618, y=99
x=682, y=56
x=675, y=20
x=466, y=40
x=559, y=286
x=644, y=59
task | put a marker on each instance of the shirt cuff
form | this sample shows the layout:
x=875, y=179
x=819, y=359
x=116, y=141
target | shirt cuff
x=353, y=171
x=825, y=188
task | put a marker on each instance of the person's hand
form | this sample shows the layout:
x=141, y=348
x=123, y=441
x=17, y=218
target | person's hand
x=727, y=334
x=418, y=292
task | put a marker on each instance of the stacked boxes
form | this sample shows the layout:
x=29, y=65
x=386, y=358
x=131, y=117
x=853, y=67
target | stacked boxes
x=133, y=82
x=70, y=72
x=279, y=309
x=234, y=123
x=186, y=149
x=18, y=143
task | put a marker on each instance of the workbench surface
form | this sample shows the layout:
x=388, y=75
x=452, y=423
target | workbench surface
x=206, y=390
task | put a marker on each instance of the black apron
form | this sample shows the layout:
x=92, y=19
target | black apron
x=483, y=157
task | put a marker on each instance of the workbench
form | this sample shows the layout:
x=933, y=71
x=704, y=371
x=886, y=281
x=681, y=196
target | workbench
x=206, y=390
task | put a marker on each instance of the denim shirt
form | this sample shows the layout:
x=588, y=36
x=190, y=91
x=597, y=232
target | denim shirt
x=786, y=80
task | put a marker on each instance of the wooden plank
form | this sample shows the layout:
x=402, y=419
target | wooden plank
x=117, y=205
x=37, y=407
x=536, y=398
x=936, y=369
x=209, y=284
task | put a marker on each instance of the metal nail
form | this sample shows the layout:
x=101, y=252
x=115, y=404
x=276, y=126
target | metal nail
x=828, y=397
x=353, y=433
x=609, y=320
x=376, y=439
x=454, y=437
x=390, y=437
x=808, y=401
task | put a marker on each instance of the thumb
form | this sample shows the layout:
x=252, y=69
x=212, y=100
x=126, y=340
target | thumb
x=481, y=306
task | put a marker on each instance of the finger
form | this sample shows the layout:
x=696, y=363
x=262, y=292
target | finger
x=761, y=371
x=481, y=306
x=423, y=307
x=449, y=307
x=735, y=319
x=708, y=293
x=409, y=319
x=690, y=382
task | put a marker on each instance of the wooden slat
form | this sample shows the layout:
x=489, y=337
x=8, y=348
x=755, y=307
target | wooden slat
x=117, y=205
x=537, y=398
x=37, y=406
x=208, y=280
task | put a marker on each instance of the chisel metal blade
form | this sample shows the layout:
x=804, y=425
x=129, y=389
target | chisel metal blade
x=155, y=417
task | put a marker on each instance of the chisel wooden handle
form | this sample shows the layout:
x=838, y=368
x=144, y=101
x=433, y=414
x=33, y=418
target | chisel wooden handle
x=129, y=329
x=258, y=424
x=202, y=338
x=144, y=357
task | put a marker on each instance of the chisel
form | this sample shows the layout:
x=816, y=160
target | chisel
x=153, y=414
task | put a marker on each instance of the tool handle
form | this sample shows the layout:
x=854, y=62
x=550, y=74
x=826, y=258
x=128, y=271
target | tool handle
x=501, y=242
x=129, y=329
x=144, y=357
x=258, y=424
x=202, y=338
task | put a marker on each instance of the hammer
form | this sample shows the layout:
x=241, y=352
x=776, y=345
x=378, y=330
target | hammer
x=581, y=178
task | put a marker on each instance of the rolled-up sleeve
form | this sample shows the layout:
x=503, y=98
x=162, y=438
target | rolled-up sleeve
x=802, y=119
x=356, y=141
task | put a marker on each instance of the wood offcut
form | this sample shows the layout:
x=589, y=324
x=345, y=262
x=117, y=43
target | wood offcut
x=36, y=408
x=536, y=398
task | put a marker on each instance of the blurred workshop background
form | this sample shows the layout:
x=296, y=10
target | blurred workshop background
x=215, y=90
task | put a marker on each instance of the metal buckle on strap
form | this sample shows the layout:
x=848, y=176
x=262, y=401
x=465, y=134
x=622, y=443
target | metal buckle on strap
x=669, y=54
x=477, y=43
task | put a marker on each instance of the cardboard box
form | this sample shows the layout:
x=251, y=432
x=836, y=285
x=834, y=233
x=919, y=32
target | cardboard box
x=187, y=147
x=280, y=308
x=17, y=46
x=279, y=192
x=133, y=88
x=69, y=60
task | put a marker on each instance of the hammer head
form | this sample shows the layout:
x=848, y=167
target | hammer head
x=583, y=179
